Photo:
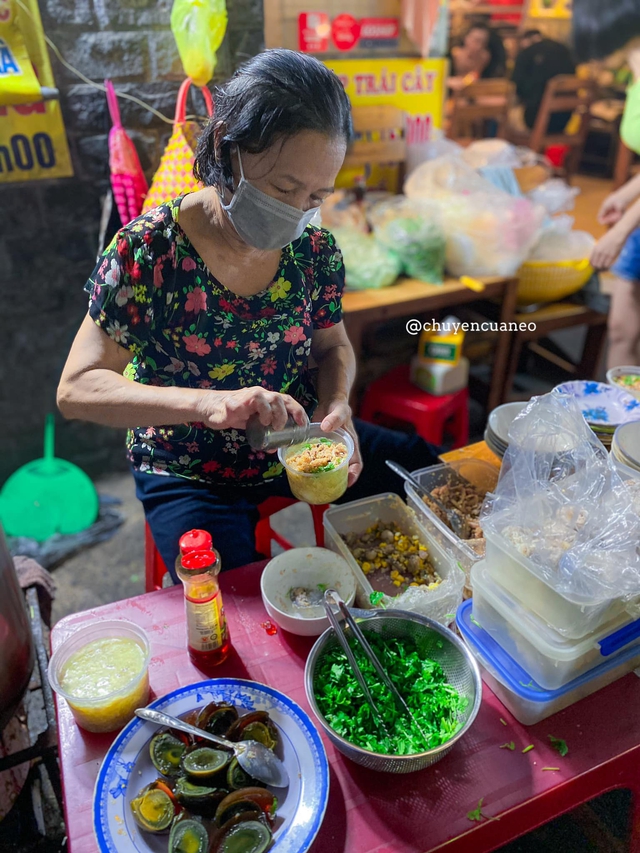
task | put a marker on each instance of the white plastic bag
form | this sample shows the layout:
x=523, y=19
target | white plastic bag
x=489, y=233
x=559, y=243
x=367, y=263
x=562, y=506
x=491, y=152
x=444, y=175
x=555, y=195
x=438, y=146
x=412, y=230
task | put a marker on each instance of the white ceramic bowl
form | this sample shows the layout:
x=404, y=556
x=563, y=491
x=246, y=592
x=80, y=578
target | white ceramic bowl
x=616, y=372
x=304, y=567
x=501, y=419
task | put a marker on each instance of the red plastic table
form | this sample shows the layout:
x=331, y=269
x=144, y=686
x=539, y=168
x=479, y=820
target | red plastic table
x=375, y=812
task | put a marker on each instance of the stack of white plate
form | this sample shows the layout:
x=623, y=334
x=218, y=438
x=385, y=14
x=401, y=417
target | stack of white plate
x=497, y=432
x=604, y=407
x=625, y=446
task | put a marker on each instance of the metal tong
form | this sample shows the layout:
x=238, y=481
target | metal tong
x=331, y=595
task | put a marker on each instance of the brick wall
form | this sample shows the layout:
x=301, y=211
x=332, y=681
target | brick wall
x=49, y=230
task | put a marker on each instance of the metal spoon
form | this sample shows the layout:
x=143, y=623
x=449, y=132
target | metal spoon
x=255, y=759
x=456, y=522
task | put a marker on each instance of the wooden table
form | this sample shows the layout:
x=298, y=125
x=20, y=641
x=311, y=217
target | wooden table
x=411, y=298
x=371, y=812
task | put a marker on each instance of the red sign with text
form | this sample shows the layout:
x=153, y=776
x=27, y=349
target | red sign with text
x=314, y=29
x=346, y=32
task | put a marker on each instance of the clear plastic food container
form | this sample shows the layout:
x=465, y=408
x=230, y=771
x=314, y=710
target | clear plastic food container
x=356, y=517
x=550, y=659
x=480, y=474
x=107, y=710
x=323, y=487
x=571, y=618
x=527, y=701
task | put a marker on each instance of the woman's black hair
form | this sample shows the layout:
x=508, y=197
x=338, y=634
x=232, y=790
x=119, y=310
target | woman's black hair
x=601, y=27
x=497, y=65
x=272, y=97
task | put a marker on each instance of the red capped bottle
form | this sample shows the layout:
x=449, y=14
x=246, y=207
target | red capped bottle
x=207, y=630
x=193, y=540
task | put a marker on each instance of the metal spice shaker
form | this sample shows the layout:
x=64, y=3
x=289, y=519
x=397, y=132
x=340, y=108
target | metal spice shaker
x=265, y=438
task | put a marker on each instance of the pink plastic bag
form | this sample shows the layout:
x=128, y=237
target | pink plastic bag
x=127, y=178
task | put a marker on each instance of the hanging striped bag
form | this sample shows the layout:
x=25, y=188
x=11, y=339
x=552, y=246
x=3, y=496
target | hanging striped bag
x=174, y=175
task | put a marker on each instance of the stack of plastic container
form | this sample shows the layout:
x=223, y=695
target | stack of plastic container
x=540, y=651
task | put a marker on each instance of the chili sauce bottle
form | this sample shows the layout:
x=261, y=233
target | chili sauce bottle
x=193, y=540
x=207, y=630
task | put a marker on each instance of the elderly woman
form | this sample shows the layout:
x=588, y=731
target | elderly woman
x=208, y=309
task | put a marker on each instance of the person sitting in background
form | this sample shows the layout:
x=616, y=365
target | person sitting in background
x=539, y=60
x=481, y=55
x=599, y=31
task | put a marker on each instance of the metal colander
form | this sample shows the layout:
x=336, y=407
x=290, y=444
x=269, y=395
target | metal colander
x=433, y=641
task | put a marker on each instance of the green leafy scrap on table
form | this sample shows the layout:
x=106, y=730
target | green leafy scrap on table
x=476, y=814
x=511, y=745
x=421, y=682
x=528, y=749
x=559, y=745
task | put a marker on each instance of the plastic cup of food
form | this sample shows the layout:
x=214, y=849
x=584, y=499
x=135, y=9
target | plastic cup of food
x=102, y=672
x=327, y=482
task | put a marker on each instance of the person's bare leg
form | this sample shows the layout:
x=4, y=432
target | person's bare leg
x=624, y=323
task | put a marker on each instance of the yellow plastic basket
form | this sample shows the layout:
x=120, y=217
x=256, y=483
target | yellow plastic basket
x=549, y=281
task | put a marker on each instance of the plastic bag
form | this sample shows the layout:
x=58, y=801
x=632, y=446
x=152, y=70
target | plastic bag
x=198, y=27
x=342, y=210
x=411, y=230
x=555, y=195
x=437, y=146
x=560, y=504
x=489, y=233
x=367, y=263
x=491, y=152
x=444, y=175
x=559, y=243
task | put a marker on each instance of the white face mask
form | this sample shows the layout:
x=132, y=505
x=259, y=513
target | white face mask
x=262, y=221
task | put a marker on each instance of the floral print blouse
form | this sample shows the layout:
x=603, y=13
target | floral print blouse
x=152, y=293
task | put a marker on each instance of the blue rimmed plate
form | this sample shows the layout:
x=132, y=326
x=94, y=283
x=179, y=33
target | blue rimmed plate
x=127, y=768
x=602, y=405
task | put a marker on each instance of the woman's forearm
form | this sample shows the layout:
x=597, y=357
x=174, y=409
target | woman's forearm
x=336, y=373
x=630, y=191
x=629, y=221
x=104, y=397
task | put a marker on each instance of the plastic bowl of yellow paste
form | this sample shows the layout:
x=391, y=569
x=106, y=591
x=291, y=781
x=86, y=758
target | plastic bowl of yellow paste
x=318, y=468
x=102, y=671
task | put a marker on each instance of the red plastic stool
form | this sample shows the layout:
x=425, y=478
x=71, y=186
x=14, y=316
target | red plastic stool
x=393, y=396
x=155, y=568
x=265, y=534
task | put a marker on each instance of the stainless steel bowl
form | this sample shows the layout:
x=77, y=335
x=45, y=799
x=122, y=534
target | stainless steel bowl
x=433, y=641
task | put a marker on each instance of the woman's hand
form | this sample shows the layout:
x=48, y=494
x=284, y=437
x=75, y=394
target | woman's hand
x=612, y=209
x=336, y=415
x=232, y=409
x=607, y=249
